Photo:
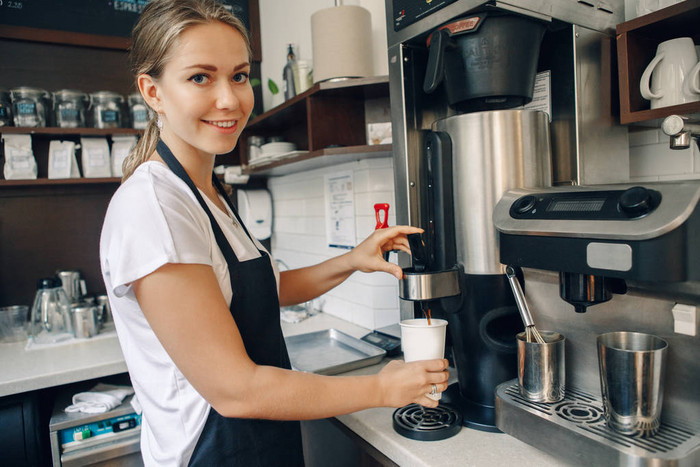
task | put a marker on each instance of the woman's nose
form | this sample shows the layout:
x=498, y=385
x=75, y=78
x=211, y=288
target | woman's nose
x=226, y=97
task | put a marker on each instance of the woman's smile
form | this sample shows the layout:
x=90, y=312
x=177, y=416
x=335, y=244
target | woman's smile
x=225, y=126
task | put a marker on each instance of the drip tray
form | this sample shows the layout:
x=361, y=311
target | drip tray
x=425, y=424
x=575, y=429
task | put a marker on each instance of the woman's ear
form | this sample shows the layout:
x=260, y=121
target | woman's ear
x=149, y=91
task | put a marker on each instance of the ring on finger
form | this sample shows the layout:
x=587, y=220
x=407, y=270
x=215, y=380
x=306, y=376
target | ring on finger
x=433, y=389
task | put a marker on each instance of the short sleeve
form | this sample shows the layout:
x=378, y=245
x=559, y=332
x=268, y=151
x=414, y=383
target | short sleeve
x=153, y=219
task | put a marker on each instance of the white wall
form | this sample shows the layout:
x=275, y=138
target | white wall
x=285, y=22
x=299, y=237
x=652, y=160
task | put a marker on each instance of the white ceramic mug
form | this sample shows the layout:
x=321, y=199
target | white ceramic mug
x=663, y=79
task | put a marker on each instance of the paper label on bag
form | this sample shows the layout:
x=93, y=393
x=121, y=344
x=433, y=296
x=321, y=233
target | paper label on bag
x=60, y=159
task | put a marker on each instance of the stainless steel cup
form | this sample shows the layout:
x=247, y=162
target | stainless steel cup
x=632, y=370
x=84, y=318
x=541, y=367
x=105, y=309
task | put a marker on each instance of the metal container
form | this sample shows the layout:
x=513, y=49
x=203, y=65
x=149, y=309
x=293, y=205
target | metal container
x=72, y=284
x=84, y=317
x=541, y=367
x=428, y=285
x=139, y=112
x=331, y=352
x=492, y=152
x=105, y=309
x=106, y=109
x=632, y=369
x=69, y=107
x=29, y=106
x=5, y=108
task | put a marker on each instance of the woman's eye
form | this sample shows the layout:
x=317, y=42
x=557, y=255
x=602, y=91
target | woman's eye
x=240, y=77
x=199, y=78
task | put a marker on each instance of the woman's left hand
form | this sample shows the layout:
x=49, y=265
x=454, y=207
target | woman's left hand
x=368, y=255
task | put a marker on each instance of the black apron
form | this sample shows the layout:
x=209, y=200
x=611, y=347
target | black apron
x=255, y=307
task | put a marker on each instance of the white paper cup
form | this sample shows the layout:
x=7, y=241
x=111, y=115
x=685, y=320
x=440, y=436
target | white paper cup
x=422, y=342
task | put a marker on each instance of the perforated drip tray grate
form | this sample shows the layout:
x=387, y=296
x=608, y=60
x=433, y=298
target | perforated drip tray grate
x=425, y=424
x=575, y=429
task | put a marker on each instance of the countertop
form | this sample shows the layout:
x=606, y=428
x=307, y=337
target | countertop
x=22, y=370
x=27, y=370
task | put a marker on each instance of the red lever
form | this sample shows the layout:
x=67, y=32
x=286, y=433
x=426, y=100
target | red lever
x=378, y=209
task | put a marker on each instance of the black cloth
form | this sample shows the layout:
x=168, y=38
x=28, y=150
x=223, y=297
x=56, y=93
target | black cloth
x=255, y=309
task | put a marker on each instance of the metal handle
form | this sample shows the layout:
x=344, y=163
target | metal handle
x=519, y=297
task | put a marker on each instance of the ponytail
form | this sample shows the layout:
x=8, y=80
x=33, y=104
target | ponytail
x=143, y=149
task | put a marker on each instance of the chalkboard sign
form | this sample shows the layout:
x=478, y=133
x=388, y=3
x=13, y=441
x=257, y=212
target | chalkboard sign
x=99, y=17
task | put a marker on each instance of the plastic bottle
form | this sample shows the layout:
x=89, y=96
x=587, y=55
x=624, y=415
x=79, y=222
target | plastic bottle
x=288, y=73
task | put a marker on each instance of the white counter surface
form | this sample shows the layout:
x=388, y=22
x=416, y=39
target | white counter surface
x=22, y=371
x=26, y=370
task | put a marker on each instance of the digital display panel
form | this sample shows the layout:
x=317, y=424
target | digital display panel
x=576, y=205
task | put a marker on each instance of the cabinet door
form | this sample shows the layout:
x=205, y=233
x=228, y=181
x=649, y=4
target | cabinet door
x=20, y=436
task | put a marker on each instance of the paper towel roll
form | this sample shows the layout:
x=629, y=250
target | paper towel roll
x=342, y=42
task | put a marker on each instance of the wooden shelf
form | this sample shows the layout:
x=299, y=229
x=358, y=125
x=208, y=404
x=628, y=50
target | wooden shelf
x=319, y=159
x=59, y=181
x=51, y=131
x=328, y=121
x=637, y=41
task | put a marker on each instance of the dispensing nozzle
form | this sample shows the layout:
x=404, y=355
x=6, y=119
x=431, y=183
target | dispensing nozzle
x=680, y=131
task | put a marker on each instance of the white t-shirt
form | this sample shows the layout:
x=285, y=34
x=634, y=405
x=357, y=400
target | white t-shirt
x=154, y=219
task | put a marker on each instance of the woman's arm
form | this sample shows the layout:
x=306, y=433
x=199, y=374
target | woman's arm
x=301, y=285
x=186, y=310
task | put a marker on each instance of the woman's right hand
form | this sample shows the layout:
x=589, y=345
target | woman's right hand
x=405, y=383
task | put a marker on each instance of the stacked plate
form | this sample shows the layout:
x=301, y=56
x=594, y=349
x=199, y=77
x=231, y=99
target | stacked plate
x=274, y=151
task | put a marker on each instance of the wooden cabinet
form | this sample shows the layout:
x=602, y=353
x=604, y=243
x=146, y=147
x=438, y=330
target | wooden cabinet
x=637, y=40
x=327, y=123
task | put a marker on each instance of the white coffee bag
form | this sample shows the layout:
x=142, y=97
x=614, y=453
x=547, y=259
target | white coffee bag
x=62, y=161
x=95, y=157
x=19, y=158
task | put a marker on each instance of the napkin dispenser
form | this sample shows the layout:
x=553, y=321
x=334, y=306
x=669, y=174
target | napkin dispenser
x=255, y=209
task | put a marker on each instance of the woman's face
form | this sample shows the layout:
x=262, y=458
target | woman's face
x=204, y=93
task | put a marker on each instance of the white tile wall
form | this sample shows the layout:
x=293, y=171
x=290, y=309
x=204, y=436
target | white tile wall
x=299, y=236
x=651, y=159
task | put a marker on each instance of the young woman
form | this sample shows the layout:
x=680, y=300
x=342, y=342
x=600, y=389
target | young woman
x=195, y=298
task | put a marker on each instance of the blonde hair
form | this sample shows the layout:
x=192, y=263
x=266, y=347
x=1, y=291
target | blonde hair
x=153, y=36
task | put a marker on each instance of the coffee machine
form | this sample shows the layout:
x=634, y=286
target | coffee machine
x=461, y=74
x=456, y=162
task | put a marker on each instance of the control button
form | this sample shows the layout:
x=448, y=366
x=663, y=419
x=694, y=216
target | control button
x=636, y=201
x=81, y=433
x=524, y=204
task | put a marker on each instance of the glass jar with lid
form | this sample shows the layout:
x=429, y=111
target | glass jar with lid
x=29, y=106
x=69, y=107
x=139, y=112
x=106, y=109
x=5, y=108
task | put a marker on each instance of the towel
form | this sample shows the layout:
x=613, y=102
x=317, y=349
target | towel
x=102, y=398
